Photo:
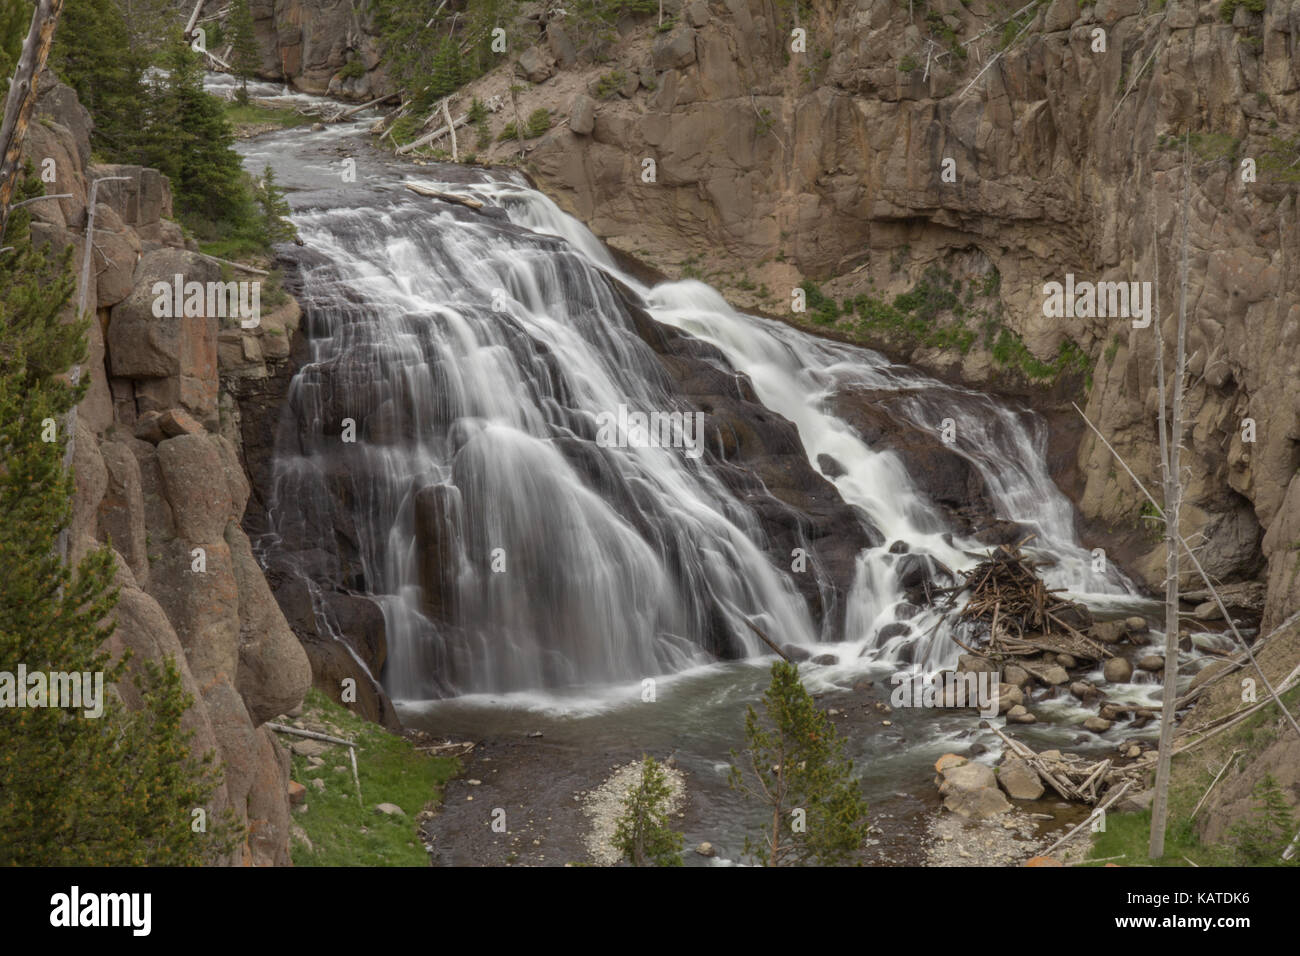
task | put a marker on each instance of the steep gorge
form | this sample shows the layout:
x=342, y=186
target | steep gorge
x=775, y=166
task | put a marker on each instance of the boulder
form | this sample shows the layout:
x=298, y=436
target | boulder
x=1108, y=632
x=535, y=66
x=1019, y=780
x=1055, y=675
x=1152, y=663
x=1098, y=725
x=1117, y=670
x=582, y=114
x=983, y=804
x=674, y=51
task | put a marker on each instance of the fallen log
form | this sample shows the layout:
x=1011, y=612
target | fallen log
x=430, y=137
x=353, y=111
x=422, y=190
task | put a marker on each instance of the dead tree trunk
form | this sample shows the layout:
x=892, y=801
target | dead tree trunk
x=1173, y=505
x=22, y=97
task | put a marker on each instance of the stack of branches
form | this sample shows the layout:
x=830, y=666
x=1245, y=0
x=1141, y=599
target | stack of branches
x=1074, y=777
x=1023, y=614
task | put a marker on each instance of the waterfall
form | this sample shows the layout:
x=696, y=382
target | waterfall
x=443, y=456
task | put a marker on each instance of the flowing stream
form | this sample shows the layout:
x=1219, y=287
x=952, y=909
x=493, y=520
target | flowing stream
x=532, y=576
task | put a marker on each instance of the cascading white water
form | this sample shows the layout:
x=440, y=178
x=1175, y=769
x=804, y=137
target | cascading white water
x=795, y=374
x=473, y=359
x=509, y=550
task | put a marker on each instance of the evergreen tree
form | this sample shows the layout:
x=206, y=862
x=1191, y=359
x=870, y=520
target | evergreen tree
x=642, y=833
x=1261, y=837
x=244, y=56
x=798, y=771
x=92, y=53
x=15, y=18
x=114, y=789
x=275, y=210
x=192, y=143
x=446, y=78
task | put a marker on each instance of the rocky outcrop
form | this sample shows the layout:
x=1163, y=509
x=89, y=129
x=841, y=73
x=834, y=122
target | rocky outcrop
x=157, y=483
x=863, y=159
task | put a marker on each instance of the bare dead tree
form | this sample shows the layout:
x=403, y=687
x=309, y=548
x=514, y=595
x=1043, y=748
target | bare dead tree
x=21, y=100
x=1170, y=447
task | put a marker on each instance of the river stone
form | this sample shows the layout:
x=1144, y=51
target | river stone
x=982, y=804
x=1209, y=611
x=706, y=849
x=825, y=660
x=1024, y=717
x=1008, y=696
x=1055, y=675
x=1152, y=663
x=1067, y=661
x=967, y=776
x=1019, y=780
x=1014, y=674
x=1137, y=625
x=948, y=760
x=1108, y=632
x=1117, y=670
x=1083, y=690
x=972, y=664
x=1098, y=725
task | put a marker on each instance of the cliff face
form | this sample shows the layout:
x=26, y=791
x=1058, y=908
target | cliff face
x=771, y=166
x=158, y=478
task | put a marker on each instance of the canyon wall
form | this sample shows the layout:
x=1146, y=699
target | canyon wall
x=773, y=166
x=158, y=479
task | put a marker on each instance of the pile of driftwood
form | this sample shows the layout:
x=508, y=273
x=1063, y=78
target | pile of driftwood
x=1077, y=778
x=1007, y=588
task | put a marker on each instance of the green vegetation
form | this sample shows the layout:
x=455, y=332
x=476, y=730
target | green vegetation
x=1280, y=161
x=171, y=123
x=342, y=831
x=354, y=69
x=1229, y=7
x=798, y=772
x=275, y=209
x=120, y=788
x=821, y=307
x=609, y=84
x=251, y=115
x=15, y=18
x=244, y=56
x=431, y=53
x=908, y=63
x=536, y=124
x=642, y=833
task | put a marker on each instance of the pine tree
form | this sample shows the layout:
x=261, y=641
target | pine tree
x=15, y=18
x=275, y=210
x=92, y=53
x=244, y=57
x=192, y=143
x=119, y=788
x=642, y=833
x=798, y=771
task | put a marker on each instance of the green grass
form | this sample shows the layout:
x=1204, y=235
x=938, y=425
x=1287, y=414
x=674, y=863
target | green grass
x=342, y=832
x=253, y=115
